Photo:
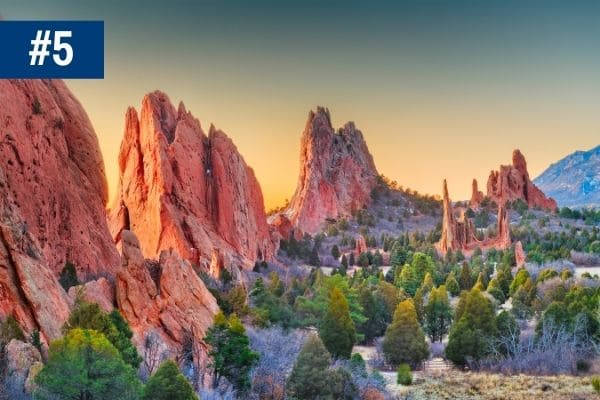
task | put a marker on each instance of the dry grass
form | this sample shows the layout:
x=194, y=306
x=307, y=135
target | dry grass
x=483, y=386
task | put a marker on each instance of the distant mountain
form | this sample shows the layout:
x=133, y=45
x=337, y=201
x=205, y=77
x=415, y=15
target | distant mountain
x=574, y=181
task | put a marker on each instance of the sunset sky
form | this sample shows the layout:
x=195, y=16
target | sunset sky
x=440, y=89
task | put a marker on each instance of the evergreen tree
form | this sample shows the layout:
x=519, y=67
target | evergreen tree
x=398, y=256
x=375, y=312
x=404, y=340
x=480, y=283
x=85, y=365
x=475, y=324
x=276, y=287
x=438, y=314
x=86, y=315
x=351, y=261
x=520, y=278
x=337, y=329
x=465, y=277
x=230, y=351
x=309, y=378
x=344, y=262
x=68, y=276
x=427, y=284
x=452, y=285
x=335, y=251
x=168, y=383
x=9, y=330
x=419, y=303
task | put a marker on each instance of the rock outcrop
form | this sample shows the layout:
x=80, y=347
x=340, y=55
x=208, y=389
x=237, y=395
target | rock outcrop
x=52, y=202
x=511, y=182
x=520, y=255
x=54, y=172
x=337, y=173
x=23, y=361
x=180, y=188
x=477, y=195
x=167, y=298
x=459, y=234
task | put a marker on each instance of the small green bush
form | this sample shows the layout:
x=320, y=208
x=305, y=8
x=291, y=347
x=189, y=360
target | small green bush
x=36, y=107
x=68, y=276
x=404, y=375
x=596, y=384
x=9, y=330
x=582, y=366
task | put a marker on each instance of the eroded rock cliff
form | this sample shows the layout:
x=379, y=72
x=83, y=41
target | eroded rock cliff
x=337, y=173
x=180, y=188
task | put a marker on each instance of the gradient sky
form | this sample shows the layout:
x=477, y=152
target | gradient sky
x=440, y=89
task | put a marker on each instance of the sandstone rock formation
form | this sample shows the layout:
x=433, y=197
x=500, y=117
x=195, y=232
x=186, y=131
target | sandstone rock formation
x=182, y=189
x=477, y=195
x=29, y=290
x=167, y=299
x=337, y=173
x=283, y=229
x=23, y=360
x=511, y=182
x=458, y=234
x=54, y=171
x=520, y=256
x=361, y=245
x=99, y=291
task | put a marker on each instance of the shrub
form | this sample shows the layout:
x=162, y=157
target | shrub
x=36, y=107
x=9, y=330
x=168, y=384
x=85, y=365
x=68, y=276
x=596, y=384
x=404, y=375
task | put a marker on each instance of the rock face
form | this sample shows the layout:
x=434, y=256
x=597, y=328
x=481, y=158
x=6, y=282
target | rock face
x=458, y=234
x=574, y=181
x=98, y=291
x=182, y=189
x=54, y=172
x=52, y=198
x=520, y=256
x=477, y=195
x=511, y=182
x=361, y=245
x=21, y=359
x=337, y=173
x=167, y=298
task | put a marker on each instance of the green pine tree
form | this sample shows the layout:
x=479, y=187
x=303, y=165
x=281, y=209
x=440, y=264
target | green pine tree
x=404, y=340
x=337, y=329
x=168, y=383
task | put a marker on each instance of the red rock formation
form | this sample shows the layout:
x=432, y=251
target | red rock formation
x=54, y=171
x=477, y=195
x=283, y=227
x=181, y=189
x=361, y=245
x=520, y=256
x=99, y=291
x=29, y=291
x=512, y=183
x=458, y=234
x=172, y=302
x=216, y=264
x=52, y=197
x=337, y=173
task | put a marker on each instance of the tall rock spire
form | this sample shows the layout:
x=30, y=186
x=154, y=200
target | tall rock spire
x=186, y=190
x=337, y=173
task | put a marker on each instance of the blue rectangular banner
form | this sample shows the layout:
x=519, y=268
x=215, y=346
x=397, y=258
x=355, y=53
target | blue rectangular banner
x=52, y=49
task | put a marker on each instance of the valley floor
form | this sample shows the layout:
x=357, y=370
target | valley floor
x=452, y=384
